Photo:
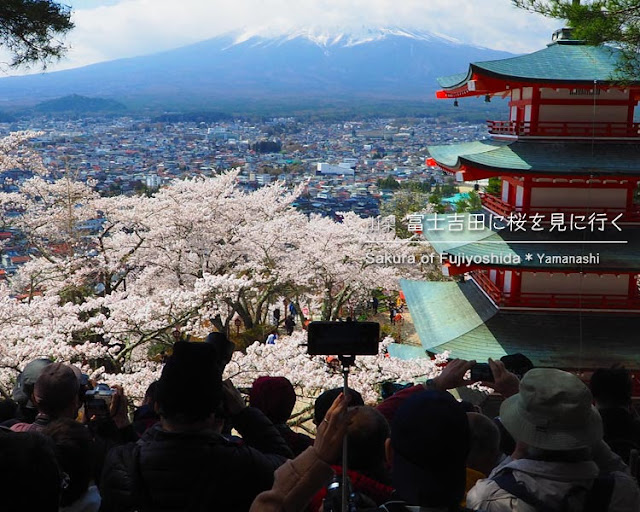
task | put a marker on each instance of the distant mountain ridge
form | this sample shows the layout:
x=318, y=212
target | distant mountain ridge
x=74, y=103
x=382, y=63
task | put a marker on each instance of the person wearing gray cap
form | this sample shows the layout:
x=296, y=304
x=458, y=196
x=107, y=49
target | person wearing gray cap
x=558, y=432
x=23, y=389
x=56, y=395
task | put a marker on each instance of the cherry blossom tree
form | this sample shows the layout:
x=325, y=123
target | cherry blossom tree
x=313, y=374
x=109, y=277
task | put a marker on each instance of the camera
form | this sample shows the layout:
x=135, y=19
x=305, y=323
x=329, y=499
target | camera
x=98, y=400
x=343, y=338
x=102, y=392
x=355, y=500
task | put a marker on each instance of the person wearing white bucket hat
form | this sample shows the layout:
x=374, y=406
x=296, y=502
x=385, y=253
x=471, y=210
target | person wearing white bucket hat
x=552, y=469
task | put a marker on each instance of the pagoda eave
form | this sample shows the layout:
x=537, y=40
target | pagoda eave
x=450, y=270
x=474, y=172
x=481, y=84
x=563, y=64
x=471, y=173
x=481, y=330
x=487, y=158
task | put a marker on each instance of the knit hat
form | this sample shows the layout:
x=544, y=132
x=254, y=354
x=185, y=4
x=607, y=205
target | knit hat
x=56, y=388
x=190, y=385
x=552, y=411
x=430, y=440
x=274, y=396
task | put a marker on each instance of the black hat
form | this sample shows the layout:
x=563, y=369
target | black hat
x=430, y=440
x=224, y=348
x=324, y=401
x=190, y=386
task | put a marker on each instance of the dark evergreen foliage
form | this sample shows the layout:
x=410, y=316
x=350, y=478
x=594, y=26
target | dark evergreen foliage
x=267, y=146
x=29, y=29
x=599, y=22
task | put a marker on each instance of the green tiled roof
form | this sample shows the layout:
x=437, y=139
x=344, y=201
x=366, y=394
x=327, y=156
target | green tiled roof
x=561, y=340
x=453, y=80
x=501, y=247
x=448, y=310
x=406, y=352
x=563, y=61
x=556, y=158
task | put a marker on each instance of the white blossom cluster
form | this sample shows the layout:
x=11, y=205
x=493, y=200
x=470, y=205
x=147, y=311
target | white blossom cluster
x=108, y=277
x=311, y=375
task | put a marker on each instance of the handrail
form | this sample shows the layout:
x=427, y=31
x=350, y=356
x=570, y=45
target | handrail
x=504, y=209
x=488, y=286
x=572, y=300
x=565, y=129
x=551, y=300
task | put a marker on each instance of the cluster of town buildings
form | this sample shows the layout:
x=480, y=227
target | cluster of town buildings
x=338, y=163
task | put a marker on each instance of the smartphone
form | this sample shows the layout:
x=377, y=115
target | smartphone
x=343, y=338
x=481, y=372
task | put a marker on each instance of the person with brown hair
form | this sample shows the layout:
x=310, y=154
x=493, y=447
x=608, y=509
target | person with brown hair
x=55, y=394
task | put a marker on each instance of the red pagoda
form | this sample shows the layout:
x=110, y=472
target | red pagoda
x=550, y=266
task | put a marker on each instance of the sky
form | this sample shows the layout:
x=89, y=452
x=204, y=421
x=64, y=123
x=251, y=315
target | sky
x=110, y=29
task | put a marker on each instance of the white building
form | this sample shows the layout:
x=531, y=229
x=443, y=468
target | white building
x=325, y=168
x=153, y=181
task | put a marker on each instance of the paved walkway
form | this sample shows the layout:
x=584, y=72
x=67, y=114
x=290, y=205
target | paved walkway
x=404, y=332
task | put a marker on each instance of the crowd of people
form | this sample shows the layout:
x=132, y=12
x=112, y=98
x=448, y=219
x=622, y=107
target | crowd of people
x=195, y=444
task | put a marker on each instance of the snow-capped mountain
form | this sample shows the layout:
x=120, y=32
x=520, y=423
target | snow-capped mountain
x=337, y=36
x=306, y=64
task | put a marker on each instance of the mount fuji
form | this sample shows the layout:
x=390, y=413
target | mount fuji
x=306, y=65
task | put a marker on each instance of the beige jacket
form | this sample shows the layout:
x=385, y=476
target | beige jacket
x=295, y=483
x=556, y=484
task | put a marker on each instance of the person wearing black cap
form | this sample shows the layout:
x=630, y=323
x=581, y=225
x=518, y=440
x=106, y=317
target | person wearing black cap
x=182, y=463
x=427, y=451
x=326, y=399
x=612, y=390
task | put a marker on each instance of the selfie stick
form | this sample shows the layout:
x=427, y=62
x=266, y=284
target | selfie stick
x=346, y=361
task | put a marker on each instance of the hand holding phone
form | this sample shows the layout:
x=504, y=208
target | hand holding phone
x=481, y=372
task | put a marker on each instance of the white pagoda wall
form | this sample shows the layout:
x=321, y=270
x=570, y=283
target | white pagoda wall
x=583, y=113
x=547, y=282
x=579, y=197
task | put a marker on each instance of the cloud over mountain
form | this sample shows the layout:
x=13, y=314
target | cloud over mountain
x=382, y=63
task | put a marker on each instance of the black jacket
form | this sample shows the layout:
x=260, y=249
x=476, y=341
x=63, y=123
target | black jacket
x=195, y=471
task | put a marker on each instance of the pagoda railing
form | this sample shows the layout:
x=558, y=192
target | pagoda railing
x=564, y=129
x=504, y=209
x=495, y=204
x=570, y=301
x=490, y=288
x=553, y=300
